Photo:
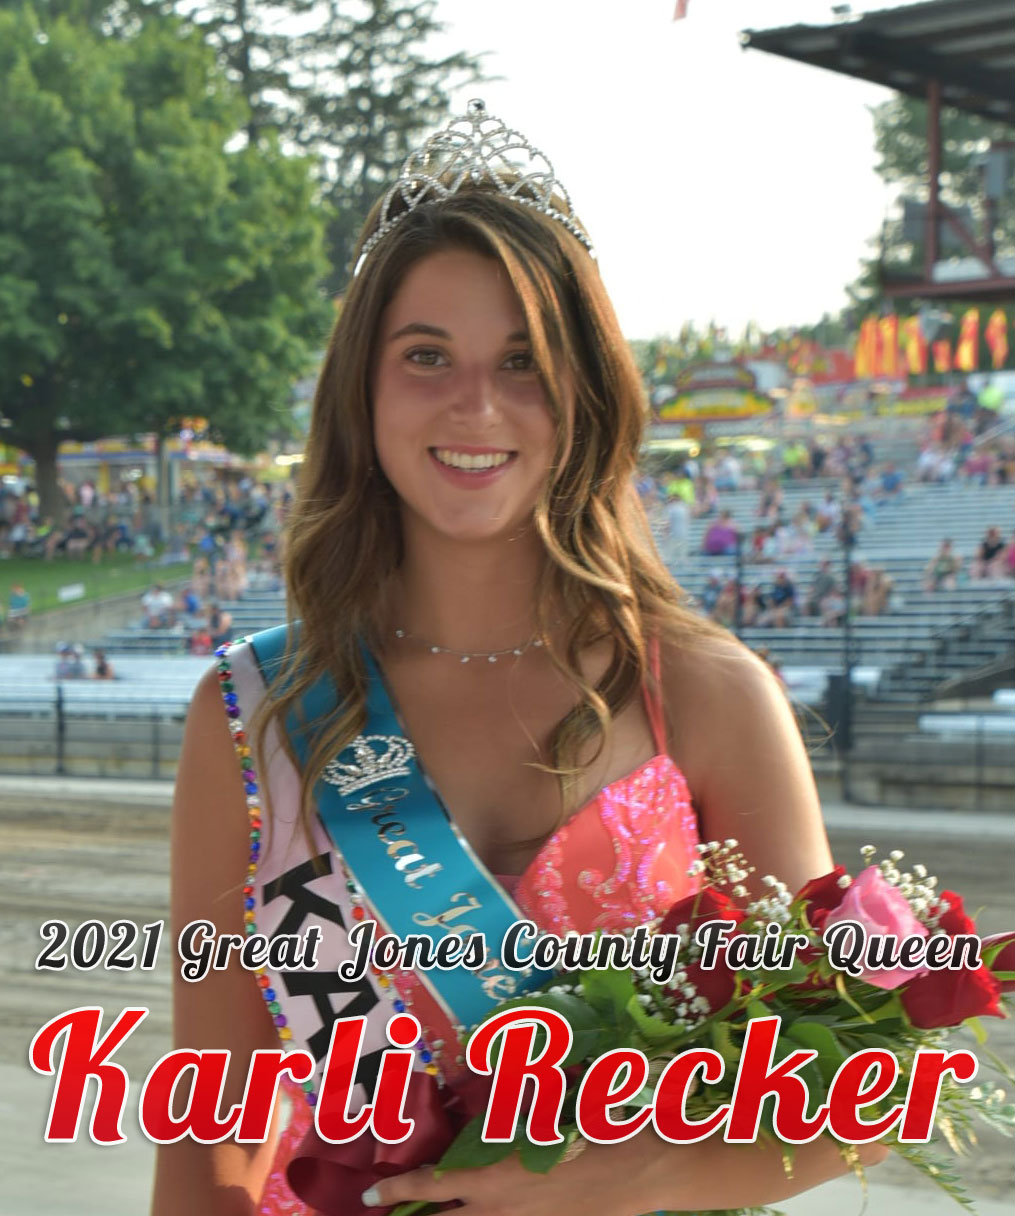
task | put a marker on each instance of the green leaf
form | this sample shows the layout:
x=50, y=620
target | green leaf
x=590, y=1035
x=655, y=1031
x=721, y=1038
x=976, y=1026
x=470, y=1149
x=608, y=991
x=820, y=1039
x=541, y=1158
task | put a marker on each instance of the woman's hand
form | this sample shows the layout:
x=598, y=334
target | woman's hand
x=640, y=1175
x=600, y=1179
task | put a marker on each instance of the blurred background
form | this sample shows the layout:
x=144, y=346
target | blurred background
x=805, y=215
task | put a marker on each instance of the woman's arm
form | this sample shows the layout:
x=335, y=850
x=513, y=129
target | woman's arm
x=210, y=847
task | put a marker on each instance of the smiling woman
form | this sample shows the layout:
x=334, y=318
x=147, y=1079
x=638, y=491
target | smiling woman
x=493, y=704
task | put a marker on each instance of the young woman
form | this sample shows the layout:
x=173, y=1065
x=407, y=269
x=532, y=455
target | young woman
x=478, y=596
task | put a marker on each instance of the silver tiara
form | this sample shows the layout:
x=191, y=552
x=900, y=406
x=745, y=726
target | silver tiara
x=473, y=148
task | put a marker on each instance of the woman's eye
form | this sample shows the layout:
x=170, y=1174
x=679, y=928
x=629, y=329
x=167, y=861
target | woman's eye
x=521, y=361
x=425, y=357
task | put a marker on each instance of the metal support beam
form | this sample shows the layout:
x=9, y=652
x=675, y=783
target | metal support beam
x=931, y=247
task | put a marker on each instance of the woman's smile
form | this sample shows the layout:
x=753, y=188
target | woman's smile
x=471, y=467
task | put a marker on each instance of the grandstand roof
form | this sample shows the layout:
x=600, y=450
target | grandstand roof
x=967, y=45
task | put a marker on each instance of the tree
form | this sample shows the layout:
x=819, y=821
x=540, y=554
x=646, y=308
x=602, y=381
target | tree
x=900, y=131
x=900, y=134
x=355, y=88
x=146, y=272
x=371, y=92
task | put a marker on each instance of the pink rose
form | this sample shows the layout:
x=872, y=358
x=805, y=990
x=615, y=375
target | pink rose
x=881, y=909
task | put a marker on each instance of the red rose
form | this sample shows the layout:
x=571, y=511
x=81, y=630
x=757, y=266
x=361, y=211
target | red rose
x=821, y=896
x=953, y=918
x=717, y=984
x=1004, y=960
x=947, y=998
x=693, y=910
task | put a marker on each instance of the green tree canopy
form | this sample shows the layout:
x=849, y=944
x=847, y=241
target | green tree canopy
x=147, y=271
x=900, y=133
x=355, y=85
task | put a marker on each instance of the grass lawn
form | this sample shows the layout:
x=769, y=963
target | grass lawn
x=116, y=574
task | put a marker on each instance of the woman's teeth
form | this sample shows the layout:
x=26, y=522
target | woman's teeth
x=467, y=460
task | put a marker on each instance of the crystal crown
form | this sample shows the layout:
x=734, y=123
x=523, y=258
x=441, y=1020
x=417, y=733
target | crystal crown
x=367, y=760
x=475, y=148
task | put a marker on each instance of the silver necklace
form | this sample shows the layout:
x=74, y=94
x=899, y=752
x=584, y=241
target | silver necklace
x=469, y=656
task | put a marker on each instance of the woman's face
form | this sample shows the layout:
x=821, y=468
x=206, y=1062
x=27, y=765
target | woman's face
x=462, y=426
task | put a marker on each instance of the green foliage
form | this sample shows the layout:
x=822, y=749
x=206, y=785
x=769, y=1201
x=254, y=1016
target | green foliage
x=148, y=272
x=354, y=86
x=373, y=90
x=115, y=574
x=900, y=133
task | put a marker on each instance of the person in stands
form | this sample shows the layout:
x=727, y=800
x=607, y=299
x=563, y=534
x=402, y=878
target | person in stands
x=720, y=540
x=990, y=554
x=942, y=571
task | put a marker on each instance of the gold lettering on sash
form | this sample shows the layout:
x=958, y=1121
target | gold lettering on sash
x=382, y=801
x=497, y=985
x=443, y=919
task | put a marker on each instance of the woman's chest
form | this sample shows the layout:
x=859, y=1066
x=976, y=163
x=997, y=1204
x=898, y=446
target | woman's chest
x=489, y=757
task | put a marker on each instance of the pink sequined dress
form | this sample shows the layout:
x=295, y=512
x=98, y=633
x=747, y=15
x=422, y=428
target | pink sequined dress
x=621, y=860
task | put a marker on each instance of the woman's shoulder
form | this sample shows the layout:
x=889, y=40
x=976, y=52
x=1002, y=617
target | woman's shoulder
x=711, y=662
x=715, y=692
x=736, y=739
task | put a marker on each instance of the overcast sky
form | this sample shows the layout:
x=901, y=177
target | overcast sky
x=716, y=183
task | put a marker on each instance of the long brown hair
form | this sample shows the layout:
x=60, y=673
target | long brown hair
x=602, y=572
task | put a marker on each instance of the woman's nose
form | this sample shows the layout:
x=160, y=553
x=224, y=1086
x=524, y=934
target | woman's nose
x=475, y=394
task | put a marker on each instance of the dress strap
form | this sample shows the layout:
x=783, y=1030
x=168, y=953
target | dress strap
x=652, y=692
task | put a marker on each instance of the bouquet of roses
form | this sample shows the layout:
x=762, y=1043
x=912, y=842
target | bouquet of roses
x=831, y=1010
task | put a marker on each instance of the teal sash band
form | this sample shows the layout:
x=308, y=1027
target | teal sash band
x=398, y=841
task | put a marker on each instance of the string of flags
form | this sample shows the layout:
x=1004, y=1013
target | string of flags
x=894, y=347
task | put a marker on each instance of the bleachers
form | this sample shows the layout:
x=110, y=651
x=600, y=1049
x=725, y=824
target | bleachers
x=900, y=536
x=968, y=724
x=143, y=686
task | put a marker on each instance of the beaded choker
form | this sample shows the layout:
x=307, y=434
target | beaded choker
x=469, y=656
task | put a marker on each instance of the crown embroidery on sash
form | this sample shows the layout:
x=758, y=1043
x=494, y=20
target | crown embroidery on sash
x=367, y=760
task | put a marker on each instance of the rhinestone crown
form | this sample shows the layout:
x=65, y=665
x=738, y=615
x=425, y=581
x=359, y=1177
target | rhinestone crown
x=368, y=759
x=475, y=148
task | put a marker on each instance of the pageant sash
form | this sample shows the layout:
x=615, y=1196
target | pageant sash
x=399, y=843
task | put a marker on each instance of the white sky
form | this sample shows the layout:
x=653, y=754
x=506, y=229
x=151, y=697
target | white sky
x=716, y=183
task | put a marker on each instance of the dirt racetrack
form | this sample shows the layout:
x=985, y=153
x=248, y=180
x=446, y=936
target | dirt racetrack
x=77, y=850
